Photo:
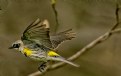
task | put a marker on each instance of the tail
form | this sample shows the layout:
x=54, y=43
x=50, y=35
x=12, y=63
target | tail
x=63, y=60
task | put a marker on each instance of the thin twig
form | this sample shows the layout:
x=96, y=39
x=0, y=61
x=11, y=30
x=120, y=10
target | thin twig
x=117, y=17
x=55, y=12
x=100, y=39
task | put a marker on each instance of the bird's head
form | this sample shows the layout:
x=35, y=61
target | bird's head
x=17, y=45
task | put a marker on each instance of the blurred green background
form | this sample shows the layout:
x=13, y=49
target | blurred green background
x=88, y=18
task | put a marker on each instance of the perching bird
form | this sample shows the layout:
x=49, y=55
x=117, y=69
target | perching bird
x=37, y=44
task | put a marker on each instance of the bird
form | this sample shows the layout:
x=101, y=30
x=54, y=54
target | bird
x=37, y=44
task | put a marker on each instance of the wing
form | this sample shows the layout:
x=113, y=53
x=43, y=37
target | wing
x=37, y=32
x=61, y=37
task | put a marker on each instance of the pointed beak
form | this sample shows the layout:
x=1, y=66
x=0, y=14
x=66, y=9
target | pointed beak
x=10, y=47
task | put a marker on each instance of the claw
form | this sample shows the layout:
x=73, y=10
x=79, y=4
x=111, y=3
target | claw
x=42, y=67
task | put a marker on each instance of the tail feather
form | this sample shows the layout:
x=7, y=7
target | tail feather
x=63, y=60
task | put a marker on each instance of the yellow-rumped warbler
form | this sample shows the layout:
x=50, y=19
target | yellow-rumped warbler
x=37, y=44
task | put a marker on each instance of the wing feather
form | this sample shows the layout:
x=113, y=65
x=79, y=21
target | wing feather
x=38, y=31
x=61, y=37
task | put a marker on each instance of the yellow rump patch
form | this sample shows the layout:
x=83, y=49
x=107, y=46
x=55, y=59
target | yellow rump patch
x=52, y=53
x=27, y=51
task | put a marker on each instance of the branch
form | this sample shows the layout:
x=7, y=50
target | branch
x=100, y=39
x=75, y=56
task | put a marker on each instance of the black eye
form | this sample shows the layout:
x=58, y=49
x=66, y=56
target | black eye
x=16, y=45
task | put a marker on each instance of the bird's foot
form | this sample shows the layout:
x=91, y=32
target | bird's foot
x=42, y=67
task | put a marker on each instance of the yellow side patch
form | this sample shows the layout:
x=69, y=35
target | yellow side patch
x=52, y=53
x=27, y=51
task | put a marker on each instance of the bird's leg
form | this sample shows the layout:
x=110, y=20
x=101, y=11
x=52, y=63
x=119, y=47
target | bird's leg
x=42, y=67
